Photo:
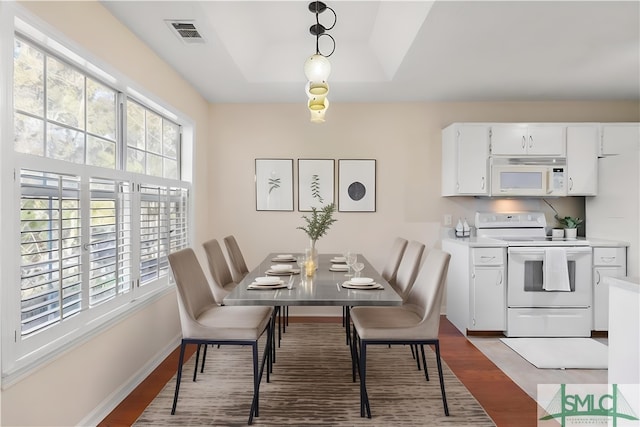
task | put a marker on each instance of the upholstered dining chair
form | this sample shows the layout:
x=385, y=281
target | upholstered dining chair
x=239, y=267
x=223, y=282
x=408, y=269
x=390, y=269
x=415, y=323
x=205, y=322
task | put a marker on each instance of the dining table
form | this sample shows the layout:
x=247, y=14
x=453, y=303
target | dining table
x=329, y=285
x=325, y=287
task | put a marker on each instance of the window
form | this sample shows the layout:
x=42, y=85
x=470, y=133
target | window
x=101, y=203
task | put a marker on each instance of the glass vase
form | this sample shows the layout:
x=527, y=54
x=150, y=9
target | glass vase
x=311, y=258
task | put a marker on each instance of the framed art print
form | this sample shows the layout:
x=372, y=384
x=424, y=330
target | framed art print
x=315, y=183
x=357, y=185
x=274, y=184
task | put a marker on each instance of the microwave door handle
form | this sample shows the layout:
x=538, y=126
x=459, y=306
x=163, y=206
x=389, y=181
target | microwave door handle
x=550, y=181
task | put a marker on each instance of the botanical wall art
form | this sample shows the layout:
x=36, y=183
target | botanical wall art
x=315, y=183
x=274, y=184
x=357, y=185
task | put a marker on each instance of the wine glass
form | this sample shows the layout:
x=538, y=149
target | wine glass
x=352, y=258
x=357, y=267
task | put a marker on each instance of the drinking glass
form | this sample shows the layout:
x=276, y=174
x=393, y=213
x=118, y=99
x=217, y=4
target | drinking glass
x=352, y=258
x=357, y=267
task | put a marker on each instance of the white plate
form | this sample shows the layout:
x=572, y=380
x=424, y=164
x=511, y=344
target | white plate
x=265, y=280
x=281, y=267
x=339, y=267
x=361, y=280
x=282, y=272
x=339, y=260
x=269, y=286
x=284, y=256
x=372, y=285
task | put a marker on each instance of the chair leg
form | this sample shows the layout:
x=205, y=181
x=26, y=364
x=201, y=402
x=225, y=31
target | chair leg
x=256, y=384
x=178, y=377
x=364, y=398
x=424, y=362
x=195, y=371
x=204, y=357
x=354, y=354
x=266, y=355
x=444, y=396
x=414, y=353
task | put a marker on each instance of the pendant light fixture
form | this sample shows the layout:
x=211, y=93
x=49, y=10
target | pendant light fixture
x=317, y=67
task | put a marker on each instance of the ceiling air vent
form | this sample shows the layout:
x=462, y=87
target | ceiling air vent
x=186, y=31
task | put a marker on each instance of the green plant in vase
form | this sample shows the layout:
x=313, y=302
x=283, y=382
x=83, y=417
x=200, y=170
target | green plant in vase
x=318, y=225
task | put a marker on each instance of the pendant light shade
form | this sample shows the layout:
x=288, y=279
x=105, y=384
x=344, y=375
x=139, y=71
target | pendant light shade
x=317, y=68
x=317, y=89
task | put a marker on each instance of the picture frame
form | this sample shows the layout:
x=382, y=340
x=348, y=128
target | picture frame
x=357, y=185
x=274, y=184
x=316, y=183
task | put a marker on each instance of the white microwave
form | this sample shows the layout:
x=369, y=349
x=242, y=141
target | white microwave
x=510, y=177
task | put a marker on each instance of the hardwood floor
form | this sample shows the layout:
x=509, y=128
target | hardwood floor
x=505, y=402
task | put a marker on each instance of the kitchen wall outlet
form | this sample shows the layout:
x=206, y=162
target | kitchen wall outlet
x=447, y=219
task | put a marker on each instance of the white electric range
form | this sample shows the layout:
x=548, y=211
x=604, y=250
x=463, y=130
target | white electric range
x=548, y=279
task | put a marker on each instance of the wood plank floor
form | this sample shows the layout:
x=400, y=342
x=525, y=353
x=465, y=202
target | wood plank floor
x=504, y=401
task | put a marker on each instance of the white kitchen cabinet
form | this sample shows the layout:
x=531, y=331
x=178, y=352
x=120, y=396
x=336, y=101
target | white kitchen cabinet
x=465, y=160
x=528, y=140
x=607, y=262
x=488, y=296
x=618, y=138
x=582, y=160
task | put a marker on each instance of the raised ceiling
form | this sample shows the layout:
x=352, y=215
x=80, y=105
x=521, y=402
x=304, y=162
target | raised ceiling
x=400, y=51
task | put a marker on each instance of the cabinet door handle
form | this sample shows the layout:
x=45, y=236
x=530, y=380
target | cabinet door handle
x=530, y=141
x=524, y=141
x=607, y=259
x=598, y=280
x=486, y=258
x=570, y=183
x=482, y=183
x=500, y=279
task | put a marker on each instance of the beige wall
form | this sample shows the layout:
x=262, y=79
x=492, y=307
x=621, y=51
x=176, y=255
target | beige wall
x=77, y=385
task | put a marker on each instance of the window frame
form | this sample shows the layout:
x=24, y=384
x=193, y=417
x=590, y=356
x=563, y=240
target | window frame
x=20, y=356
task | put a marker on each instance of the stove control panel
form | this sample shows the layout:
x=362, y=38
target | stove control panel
x=510, y=220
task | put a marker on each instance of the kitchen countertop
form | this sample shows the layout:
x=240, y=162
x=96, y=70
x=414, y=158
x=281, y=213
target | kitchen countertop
x=629, y=283
x=487, y=242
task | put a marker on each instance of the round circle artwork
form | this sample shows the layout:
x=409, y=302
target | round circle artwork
x=356, y=191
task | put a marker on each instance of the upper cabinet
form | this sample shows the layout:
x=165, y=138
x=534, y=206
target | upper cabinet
x=465, y=160
x=582, y=160
x=618, y=138
x=528, y=140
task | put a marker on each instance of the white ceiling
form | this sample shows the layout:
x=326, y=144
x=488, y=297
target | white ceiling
x=399, y=51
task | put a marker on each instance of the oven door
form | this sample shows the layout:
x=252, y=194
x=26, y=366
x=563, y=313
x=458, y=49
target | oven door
x=526, y=279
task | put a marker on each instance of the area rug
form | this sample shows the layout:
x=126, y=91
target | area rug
x=561, y=353
x=311, y=385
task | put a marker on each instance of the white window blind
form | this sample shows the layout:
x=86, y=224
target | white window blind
x=50, y=249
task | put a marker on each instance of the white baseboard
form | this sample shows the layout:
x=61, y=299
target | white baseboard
x=113, y=400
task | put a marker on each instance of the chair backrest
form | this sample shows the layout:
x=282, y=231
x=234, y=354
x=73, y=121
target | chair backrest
x=237, y=260
x=194, y=293
x=222, y=279
x=409, y=267
x=426, y=296
x=390, y=270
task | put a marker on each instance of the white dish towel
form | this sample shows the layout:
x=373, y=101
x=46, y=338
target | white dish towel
x=555, y=276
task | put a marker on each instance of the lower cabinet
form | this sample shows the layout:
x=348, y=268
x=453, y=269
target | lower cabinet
x=607, y=262
x=488, y=293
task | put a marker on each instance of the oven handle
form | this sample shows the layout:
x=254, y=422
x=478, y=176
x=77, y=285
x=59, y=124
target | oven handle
x=551, y=306
x=540, y=250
